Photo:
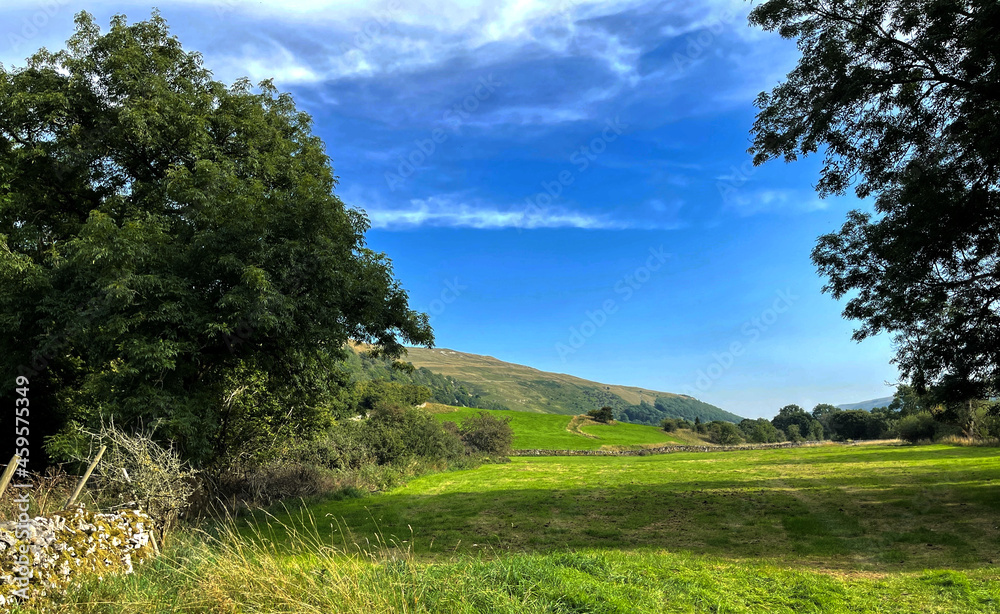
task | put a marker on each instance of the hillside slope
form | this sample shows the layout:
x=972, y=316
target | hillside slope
x=523, y=388
x=869, y=404
x=534, y=431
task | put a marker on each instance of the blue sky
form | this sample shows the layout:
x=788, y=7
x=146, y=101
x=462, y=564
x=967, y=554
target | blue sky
x=559, y=184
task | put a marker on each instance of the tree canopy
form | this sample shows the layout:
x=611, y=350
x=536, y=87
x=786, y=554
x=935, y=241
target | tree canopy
x=171, y=249
x=903, y=97
x=807, y=426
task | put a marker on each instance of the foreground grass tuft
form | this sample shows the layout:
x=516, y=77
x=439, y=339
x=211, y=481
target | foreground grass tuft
x=231, y=574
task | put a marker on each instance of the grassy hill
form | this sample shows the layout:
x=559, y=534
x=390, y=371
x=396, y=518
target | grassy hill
x=868, y=405
x=523, y=388
x=555, y=432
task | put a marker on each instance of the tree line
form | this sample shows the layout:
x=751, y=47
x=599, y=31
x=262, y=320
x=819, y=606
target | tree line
x=910, y=416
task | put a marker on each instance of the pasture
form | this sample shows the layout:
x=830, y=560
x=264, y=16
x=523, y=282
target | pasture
x=819, y=529
x=552, y=431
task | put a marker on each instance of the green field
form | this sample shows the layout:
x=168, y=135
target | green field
x=821, y=529
x=548, y=431
x=859, y=508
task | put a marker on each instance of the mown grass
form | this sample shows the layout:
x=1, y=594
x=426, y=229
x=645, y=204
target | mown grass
x=548, y=431
x=825, y=529
x=864, y=508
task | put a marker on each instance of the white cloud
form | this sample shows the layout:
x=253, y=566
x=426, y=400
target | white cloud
x=315, y=41
x=753, y=202
x=275, y=62
x=450, y=212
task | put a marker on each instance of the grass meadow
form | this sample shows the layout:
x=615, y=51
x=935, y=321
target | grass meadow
x=554, y=432
x=820, y=529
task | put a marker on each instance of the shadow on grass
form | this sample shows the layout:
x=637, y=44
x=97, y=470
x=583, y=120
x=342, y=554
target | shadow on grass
x=845, y=522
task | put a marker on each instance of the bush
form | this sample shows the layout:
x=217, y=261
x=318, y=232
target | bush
x=374, y=394
x=135, y=471
x=669, y=425
x=794, y=435
x=247, y=487
x=389, y=435
x=916, y=427
x=604, y=414
x=373, y=453
x=486, y=435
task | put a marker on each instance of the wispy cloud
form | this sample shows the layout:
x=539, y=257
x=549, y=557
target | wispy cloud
x=271, y=61
x=746, y=203
x=448, y=212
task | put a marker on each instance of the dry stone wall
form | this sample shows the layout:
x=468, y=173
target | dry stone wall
x=43, y=554
x=663, y=450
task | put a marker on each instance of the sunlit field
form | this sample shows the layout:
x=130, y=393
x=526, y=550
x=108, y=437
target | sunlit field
x=831, y=529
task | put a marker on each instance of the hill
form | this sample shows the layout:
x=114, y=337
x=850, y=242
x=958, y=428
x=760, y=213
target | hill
x=533, y=431
x=521, y=388
x=869, y=404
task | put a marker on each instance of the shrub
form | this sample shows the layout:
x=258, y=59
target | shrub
x=372, y=453
x=137, y=471
x=794, y=435
x=916, y=427
x=669, y=425
x=604, y=414
x=389, y=435
x=484, y=434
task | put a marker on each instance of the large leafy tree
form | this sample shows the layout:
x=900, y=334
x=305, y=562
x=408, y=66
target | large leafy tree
x=793, y=415
x=903, y=98
x=172, y=253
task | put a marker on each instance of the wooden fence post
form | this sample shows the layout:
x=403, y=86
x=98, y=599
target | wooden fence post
x=8, y=473
x=86, y=476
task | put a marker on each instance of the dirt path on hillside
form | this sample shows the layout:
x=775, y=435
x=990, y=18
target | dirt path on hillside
x=578, y=421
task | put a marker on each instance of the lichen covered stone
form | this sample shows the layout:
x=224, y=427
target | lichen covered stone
x=43, y=554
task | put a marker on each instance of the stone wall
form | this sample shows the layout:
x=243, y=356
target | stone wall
x=43, y=554
x=665, y=449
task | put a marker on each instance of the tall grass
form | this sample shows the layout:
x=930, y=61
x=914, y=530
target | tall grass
x=958, y=440
x=236, y=568
x=48, y=494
